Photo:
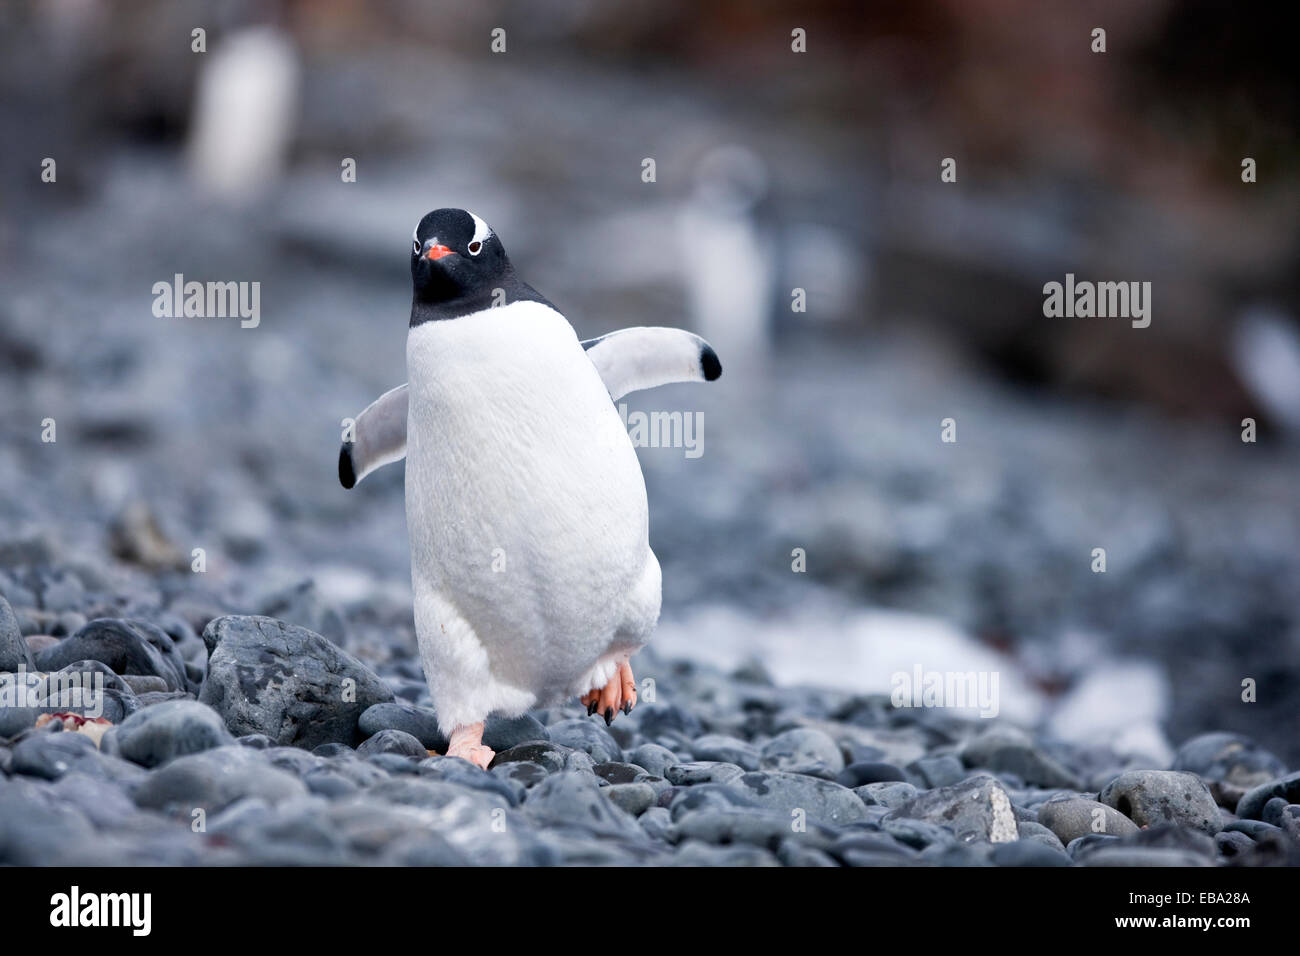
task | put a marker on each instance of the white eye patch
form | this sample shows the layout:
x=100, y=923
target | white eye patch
x=481, y=229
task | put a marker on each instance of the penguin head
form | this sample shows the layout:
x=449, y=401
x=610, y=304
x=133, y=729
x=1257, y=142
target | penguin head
x=454, y=253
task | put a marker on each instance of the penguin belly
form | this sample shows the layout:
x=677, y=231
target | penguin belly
x=526, y=511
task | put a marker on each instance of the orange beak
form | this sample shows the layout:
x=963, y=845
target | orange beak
x=437, y=252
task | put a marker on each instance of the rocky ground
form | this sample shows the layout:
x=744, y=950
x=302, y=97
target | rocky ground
x=278, y=691
x=240, y=739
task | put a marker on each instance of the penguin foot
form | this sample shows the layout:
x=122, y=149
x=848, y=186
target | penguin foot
x=467, y=744
x=618, y=694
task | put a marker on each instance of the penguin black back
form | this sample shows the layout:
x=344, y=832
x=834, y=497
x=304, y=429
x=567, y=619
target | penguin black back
x=459, y=267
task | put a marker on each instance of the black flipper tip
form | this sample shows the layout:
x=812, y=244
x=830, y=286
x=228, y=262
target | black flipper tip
x=709, y=363
x=347, y=475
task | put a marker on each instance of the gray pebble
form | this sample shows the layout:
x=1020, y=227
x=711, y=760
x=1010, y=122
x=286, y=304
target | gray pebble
x=1070, y=817
x=287, y=682
x=803, y=750
x=155, y=735
x=1148, y=797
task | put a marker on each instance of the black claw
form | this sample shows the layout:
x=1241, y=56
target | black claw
x=591, y=708
x=627, y=707
x=609, y=716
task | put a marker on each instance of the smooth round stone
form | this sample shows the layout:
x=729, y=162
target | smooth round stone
x=719, y=748
x=155, y=735
x=1274, y=811
x=1070, y=817
x=803, y=750
x=1031, y=832
x=617, y=772
x=1149, y=797
x=51, y=755
x=502, y=733
x=633, y=798
x=393, y=742
x=583, y=733
x=654, y=758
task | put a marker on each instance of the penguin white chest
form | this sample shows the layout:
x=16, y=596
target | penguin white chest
x=525, y=506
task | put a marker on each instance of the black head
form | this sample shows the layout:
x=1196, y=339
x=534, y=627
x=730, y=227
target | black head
x=456, y=256
x=459, y=267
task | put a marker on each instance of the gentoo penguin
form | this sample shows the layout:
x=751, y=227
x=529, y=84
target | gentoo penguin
x=531, y=566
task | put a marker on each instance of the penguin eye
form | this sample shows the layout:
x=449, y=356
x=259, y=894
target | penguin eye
x=475, y=247
x=415, y=247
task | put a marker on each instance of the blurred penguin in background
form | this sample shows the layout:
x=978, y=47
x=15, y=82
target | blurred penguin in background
x=244, y=111
x=753, y=276
x=1266, y=354
x=727, y=259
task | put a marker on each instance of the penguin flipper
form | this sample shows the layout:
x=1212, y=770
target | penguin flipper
x=379, y=437
x=644, y=357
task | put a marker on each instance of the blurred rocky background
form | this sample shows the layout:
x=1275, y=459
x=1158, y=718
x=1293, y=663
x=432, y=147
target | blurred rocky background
x=775, y=170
